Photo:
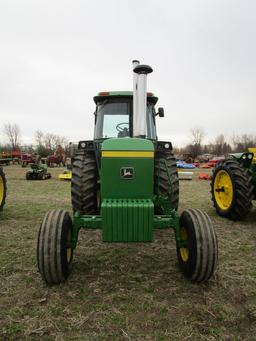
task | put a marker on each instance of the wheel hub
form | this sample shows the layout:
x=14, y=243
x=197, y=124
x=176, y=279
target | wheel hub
x=223, y=190
x=184, y=251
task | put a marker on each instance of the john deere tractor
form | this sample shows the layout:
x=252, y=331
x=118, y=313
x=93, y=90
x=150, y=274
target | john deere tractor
x=2, y=188
x=125, y=183
x=233, y=185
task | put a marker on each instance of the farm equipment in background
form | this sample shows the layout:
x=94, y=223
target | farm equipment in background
x=16, y=156
x=38, y=172
x=233, y=185
x=67, y=174
x=3, y=188
x=29, y=158
x=11, y=156
x=5, y=158
x=212, y=162
x=125, y=183
x=58, y=160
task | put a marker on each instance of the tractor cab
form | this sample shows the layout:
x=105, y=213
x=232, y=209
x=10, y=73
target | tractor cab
x=114, y=115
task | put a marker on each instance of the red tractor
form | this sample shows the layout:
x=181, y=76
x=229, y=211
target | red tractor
x=58, y=160
x=29, y=158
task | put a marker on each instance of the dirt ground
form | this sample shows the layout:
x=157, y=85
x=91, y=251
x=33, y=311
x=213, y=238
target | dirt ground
x=121, y=291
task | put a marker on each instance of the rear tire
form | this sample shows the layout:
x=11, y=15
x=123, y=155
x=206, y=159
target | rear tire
x=28, y=176
x=3, y=188
x=198, y=258
x=40, y=176
x=166, y=188
x=54, y=257
x=84, y=183
x=232, y=190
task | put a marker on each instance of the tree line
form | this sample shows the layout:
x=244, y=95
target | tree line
x=44, y=143
x=220, y=146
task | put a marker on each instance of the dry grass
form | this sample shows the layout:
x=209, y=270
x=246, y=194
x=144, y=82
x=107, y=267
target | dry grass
x=124, y=291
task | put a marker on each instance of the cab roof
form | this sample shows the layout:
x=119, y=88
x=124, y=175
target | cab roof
x=115, y=94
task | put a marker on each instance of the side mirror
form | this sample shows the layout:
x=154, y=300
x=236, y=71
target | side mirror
x=160, y=112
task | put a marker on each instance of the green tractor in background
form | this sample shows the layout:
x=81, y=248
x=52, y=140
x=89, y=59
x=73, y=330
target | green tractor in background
x=125, y=183
x=233, y=185
x=3, y=188
x=38, y=172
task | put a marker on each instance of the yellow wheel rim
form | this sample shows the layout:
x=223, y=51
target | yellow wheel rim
x=223, y=190
x=69, y=249
x=1, y=190
x=184, y=251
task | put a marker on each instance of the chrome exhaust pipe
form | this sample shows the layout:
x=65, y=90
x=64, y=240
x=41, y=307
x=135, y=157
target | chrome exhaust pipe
x=140, y=99
x=135, y=92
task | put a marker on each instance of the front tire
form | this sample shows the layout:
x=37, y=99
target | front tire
x=28, y=176
x=232, y=190
x=198, y=255
x=54, y=254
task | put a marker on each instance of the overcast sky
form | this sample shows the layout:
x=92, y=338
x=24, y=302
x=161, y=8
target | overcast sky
x=56, y=55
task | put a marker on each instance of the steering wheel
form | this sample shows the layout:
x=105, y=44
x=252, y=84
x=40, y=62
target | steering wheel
x=120, y=127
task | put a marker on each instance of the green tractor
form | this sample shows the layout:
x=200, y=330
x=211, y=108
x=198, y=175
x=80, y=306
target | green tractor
x=233, y=185
x=125, y=183
x=38, y=172
x=3, y=188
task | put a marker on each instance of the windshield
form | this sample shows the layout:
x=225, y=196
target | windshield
x=113, y=119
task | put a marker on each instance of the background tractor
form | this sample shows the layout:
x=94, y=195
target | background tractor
x=233, y=185
x=3, y=188
x=125, y=183
x=29, y=158
x=38, y=172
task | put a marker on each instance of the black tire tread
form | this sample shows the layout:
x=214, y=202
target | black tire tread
x=50, y=244
x=165, y=188
x=84, y=183
x=206, y=248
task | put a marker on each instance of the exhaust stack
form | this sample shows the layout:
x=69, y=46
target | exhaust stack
x=135, y=92
x=140, y=99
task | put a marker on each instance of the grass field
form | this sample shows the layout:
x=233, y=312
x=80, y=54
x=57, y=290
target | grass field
x=121, y=291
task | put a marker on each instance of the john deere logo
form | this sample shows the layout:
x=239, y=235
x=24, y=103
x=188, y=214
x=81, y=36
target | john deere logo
x=127, y=173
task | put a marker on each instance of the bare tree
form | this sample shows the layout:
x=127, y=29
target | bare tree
x=219, y=143
x=242, y=143
x=39, y=138
x=197, y=135
x=49, y=143
x=221, y=147
x=12, y=131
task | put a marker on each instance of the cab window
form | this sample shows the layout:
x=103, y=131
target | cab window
x=112, y=119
